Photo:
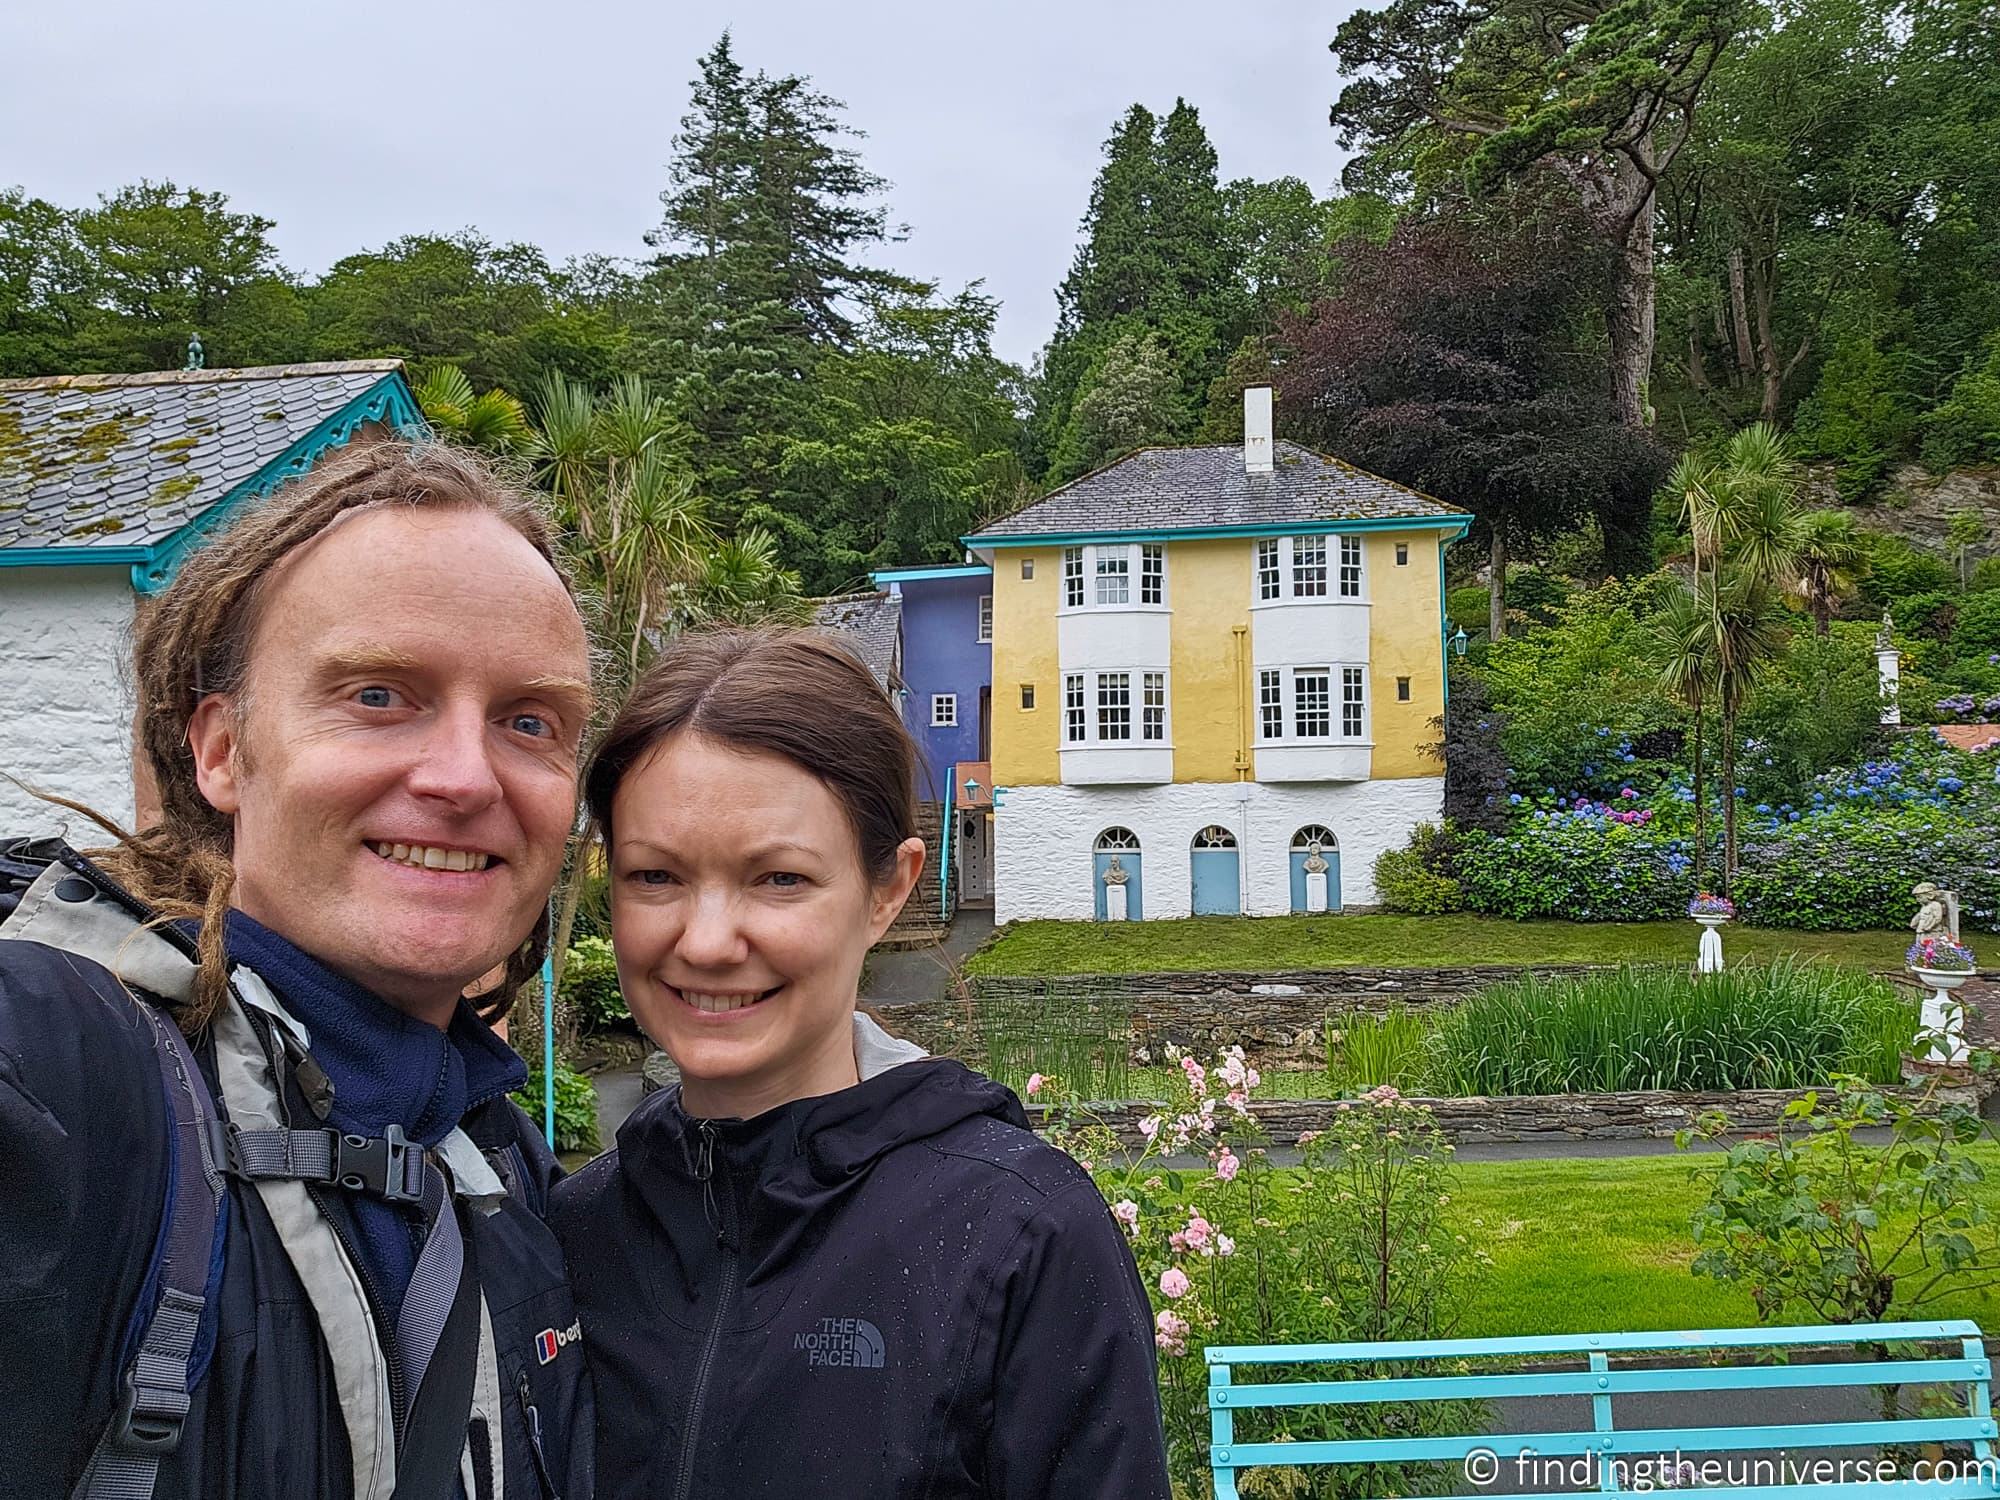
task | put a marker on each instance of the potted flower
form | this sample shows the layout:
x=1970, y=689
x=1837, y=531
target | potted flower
x=1941, y=966
x=1711, y=910
x=1940, y=962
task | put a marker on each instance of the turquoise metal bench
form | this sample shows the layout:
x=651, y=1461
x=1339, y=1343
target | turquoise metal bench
x=1610, y=1456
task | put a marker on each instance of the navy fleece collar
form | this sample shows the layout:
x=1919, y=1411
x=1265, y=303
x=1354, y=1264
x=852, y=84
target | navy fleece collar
x=387, y=1067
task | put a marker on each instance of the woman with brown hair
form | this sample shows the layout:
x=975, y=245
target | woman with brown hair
x=824, y=1263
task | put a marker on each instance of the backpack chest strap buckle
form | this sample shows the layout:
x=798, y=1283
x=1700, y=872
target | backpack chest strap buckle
x=389, y=1166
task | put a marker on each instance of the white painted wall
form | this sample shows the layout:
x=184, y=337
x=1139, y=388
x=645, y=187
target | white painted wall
x=1308, y=633
x=1113, y=638
x=65, y=705
x=1043, y=837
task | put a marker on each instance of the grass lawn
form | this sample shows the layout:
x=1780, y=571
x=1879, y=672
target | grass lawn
x=1589, y=1246
x=1263, y=943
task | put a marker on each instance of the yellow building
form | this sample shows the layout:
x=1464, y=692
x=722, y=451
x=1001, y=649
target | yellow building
x=1215, y=676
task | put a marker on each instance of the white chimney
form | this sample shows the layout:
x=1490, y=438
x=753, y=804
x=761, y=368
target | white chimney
x=1257, y=429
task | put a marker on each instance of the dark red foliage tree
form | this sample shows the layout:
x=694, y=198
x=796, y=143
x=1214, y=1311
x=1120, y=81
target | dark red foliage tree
x=1459, y=359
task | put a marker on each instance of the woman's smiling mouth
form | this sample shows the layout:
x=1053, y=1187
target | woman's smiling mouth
x=722, y=1002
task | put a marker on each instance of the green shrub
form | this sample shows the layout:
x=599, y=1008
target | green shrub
x=1898, y=570
x=1576, y=872
x=1819, y=707
x=1976, y=631
x=1781, y=1025
x=1965, y=429
x=1858, y=415
x=576, y=1106
x=590, y=984
x=1415, y=879
x=1365, y=1051
x=1851, y=869
x=1468, y=607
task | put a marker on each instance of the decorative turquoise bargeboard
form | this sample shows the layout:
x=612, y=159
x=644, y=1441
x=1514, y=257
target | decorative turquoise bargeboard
x=1814, y=1459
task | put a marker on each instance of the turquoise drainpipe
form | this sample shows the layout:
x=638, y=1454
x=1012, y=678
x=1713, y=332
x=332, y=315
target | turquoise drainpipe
x=944, y=846
x=549, y=1042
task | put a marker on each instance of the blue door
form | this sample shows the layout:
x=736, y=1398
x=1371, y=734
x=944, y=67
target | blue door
x=1305, y=843
x=1122, y=845
x=1216, y=873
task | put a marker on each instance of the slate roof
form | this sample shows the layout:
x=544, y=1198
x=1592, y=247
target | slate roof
x=1188, y=489
x=870, y=626
x=91, y=461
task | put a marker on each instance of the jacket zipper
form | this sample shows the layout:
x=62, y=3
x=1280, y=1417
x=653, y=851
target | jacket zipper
x=384, y=1332
x=534, y=1420
x=704, y=1172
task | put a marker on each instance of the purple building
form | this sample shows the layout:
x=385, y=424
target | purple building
x=947, y=676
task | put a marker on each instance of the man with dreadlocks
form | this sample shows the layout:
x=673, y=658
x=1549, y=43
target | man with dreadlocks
x=269, y=1225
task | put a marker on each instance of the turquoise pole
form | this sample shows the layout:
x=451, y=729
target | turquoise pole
x=549, y=1048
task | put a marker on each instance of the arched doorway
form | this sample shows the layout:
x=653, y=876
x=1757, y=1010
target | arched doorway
x=1216, y=871
x=1115, y=887
x=1312, y=846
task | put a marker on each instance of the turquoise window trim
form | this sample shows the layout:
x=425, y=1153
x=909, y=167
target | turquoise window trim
x=389, y=401
x=1457, y=526
x=915, y=575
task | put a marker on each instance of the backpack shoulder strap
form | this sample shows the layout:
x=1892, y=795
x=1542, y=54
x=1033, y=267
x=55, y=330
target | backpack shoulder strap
x=69, y=906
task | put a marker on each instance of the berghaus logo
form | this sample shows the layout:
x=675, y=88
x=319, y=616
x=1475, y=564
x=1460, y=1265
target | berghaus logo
x=552, y=1341
x=842, y=1343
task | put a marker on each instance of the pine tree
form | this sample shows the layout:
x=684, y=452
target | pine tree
x=764, y=215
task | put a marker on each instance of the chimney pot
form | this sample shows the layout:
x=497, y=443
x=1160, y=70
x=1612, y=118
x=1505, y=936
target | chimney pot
x=1257, y=429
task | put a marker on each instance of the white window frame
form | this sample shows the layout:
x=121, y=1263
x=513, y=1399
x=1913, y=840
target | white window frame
x=1270, y=569
x=1111, y=573
x=985, y=635
x=944, y=710
x=1278, y=701
x=1312, y=706
x=1350, y=567
x=1310, y=568
x=1115, y=576
x=1088, y=711
x=1114, y=707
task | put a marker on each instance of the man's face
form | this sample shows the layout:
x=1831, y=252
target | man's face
x=402, y=766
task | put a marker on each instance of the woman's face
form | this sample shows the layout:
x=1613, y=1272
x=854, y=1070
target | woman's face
x=741, y=914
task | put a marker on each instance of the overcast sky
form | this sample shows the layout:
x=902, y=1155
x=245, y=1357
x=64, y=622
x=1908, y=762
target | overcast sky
x=550, y=123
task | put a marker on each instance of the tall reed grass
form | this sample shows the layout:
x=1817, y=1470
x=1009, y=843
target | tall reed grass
x=1084, y=1039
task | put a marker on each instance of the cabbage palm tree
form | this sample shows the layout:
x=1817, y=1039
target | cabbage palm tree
x=491, y=420
x=1747, y=635
x=1831, y=562
x=1686, y=635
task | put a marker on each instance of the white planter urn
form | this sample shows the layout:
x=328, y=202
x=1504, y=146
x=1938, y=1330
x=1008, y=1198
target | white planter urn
x=1944, y=1017
x=1708, y=957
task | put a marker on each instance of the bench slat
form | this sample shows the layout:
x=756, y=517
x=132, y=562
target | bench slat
x=1587, y=1343
x=1647, y=1441
x=1586, y=1383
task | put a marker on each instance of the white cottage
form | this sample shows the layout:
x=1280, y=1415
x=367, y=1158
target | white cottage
x=106, y=482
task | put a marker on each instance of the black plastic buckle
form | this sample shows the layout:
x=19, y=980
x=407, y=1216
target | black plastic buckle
x=377, y=1165
x=155, y=1428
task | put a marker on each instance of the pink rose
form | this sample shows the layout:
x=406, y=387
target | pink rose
x=1126, y=1212
x=1227, y=1165
x=1034, y=1085
x=1174, y=1283
x=1170, y=1332
x=1224, y=1245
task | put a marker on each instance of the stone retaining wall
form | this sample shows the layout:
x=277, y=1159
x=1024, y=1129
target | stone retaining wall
x=1652, y=1115
x=1275, y=1017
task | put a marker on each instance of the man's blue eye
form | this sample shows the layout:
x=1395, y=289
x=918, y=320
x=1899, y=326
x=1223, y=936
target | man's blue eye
x=787, y=879
x=376, y=697
x=533, y=724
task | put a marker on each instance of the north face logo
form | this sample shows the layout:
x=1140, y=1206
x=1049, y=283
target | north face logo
x=849, y=1343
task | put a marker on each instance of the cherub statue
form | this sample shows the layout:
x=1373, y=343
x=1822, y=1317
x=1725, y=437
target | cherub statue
x=1884, y=638
x=1938, y=914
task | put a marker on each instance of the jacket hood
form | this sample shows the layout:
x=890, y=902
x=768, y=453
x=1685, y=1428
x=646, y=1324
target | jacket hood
x=758, y=1186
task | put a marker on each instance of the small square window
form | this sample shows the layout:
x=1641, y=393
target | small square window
x=1402, y=554
x=1027, y=567
x=944, y=710
x=1027, y=695
x=1402, y=690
